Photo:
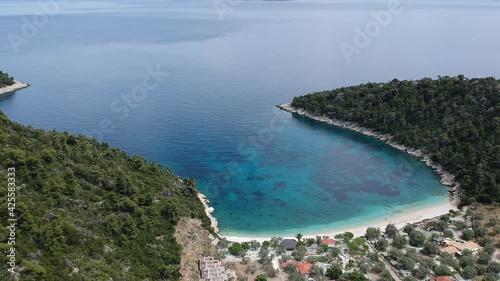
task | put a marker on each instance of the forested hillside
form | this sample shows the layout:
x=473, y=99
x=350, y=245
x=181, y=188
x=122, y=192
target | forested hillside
x=5, y=79
x=455, y=119
x=88, y=212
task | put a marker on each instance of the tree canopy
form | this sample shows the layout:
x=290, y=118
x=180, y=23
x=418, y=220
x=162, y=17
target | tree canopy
x=81, y=204
x=5, y=79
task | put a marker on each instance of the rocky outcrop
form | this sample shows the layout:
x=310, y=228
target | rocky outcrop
x=14, y=87
x=209, y=210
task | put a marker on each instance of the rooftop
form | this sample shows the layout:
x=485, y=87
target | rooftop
x=303, y=267
x=212, y=270
x=289, y=243
x=328, y=242
x=450, y=250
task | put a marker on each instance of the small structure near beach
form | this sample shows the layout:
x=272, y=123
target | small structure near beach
x=289, y=244
x=212, y=270
x=329, y=242
x=456, y=248
x=303, y=267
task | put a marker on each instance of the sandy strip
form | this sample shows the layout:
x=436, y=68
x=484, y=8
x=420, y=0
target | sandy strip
x=14, y=87
x=410, y=215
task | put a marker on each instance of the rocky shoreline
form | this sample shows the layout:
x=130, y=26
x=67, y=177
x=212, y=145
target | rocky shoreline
x=209, y=210
x=14, y=87
x=447, y=178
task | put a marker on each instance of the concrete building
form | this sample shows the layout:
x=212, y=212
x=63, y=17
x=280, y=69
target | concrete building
x=212, y=270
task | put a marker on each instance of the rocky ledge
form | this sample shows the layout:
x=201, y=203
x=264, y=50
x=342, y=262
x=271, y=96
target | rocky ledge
x=209, y=210
x=14, y=87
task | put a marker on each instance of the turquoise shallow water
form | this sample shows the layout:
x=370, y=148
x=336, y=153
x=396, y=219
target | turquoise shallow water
x=313, y=172
x=213, y=117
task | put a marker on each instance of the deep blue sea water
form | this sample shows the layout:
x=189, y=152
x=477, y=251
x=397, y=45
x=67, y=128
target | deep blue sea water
x=213, y=117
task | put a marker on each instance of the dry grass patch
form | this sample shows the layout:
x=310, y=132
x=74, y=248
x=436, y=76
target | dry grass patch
x=196, y=242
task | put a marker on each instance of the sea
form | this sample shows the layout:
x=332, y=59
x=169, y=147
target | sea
x=194, y=85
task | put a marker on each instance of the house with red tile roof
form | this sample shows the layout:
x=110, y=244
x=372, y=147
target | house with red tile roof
x=441, y=278
x=329, y=242
x=303, y=267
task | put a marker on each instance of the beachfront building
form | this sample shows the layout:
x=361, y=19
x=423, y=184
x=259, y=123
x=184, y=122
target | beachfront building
x=329, y=242
x=289, y=244
x=304, y=267
x=456, y=248
x=212, y=270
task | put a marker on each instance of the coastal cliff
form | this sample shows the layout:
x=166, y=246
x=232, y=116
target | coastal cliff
x=209, y=210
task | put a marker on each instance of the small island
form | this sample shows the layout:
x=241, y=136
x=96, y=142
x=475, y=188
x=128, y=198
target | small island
x=9, y=85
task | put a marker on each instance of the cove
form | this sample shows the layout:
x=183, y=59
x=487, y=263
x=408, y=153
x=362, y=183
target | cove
x=221, y=90
x=331, y=178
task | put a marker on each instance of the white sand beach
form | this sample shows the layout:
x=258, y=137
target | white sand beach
x=411, y=215
x=14, y=87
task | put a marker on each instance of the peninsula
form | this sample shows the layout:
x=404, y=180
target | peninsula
x=450, y=123
x=9, y=85
x=85, y=211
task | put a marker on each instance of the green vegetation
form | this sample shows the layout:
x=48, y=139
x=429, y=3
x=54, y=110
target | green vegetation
x=372, y=233
x=261, y=277
x=81, y=204
x=299, y=236
x=454, y=119
x=391, y=230
x=239, y=249
x=417, y=238
x=334, y=272
x=355, y=276
x=300, y=252
x=5, y=79
x=236, y=249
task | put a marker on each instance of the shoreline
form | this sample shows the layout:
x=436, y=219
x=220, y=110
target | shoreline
x=209, y=210
x=446, y=178
x=400, y=220
x=14, y=87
